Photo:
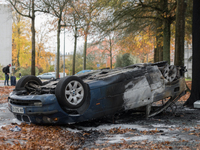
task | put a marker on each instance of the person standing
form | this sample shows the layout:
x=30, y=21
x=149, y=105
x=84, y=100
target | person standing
x=20, y=75
x=7, y=71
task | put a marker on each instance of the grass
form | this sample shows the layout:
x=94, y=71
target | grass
x=188, y=79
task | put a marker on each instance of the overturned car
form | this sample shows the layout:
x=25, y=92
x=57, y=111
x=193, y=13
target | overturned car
x=97, y=93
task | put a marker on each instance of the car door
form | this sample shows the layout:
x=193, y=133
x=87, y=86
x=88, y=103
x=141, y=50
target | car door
x=137, y=93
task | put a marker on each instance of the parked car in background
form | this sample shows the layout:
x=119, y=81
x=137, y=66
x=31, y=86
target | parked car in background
x=83, y=71
x=48, y=75
x=98, y=93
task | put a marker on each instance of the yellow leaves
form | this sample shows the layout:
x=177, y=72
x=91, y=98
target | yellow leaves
x=139, y=44
x=21, y=43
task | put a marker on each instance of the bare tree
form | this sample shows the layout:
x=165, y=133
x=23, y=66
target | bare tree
x=108, y=46
x=88, y=7
x=87, y=13
x=57, y=8
x=71, y=21
x=42, y=37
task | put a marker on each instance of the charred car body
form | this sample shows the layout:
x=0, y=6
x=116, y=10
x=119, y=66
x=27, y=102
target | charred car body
x=96, y=94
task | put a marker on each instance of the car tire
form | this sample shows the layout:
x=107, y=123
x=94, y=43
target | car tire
x=71, y=92
x=27, y=79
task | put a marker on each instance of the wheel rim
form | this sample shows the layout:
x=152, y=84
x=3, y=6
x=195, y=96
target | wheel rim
x=170, y=72
x=74, y=92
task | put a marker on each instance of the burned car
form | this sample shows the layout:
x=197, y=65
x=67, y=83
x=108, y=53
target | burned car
x=96, y=94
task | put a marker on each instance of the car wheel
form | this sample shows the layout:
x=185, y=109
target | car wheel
x=71, y=92
x=26, y=80
x=170, y=72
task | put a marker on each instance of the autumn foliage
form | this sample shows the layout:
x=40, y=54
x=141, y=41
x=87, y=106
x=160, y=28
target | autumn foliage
x=140, y=45
x=21, y=46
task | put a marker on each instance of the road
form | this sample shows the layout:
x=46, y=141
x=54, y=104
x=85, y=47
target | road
x=1, y=83
x=177, y=127
x=6, y=117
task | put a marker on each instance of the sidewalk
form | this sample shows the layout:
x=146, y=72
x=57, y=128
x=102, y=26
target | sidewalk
x=2, y=82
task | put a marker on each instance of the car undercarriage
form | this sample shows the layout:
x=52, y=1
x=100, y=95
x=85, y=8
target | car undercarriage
x=102, y=92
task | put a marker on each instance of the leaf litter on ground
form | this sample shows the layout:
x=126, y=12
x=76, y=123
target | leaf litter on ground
x=54, y=137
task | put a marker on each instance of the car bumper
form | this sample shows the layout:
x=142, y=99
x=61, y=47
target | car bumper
x=45, y=110
x=49, y=112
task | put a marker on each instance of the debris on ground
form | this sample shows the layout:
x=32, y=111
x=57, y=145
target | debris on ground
x=4, y=92
x=178, y=129
x=15, y=129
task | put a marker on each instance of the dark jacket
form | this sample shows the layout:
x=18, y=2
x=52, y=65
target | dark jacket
x=7, y=70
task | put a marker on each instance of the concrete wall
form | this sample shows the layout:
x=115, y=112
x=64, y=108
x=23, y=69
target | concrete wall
x=5, y=34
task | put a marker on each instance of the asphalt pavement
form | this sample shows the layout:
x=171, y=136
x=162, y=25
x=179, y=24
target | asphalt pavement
x=2, y=82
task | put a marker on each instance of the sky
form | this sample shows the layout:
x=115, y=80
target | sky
x=2, y=1
x=69, y=38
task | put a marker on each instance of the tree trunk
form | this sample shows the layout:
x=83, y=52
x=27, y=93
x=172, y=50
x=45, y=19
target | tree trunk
x=195, y=92
x=110, y=53
x=180, y=33
x=111, y=60
x=166, y=41
x=74, y=55
x=159, y=41
x=85, y=50
x=166, y=34
x=38, y=56
x=33, y=40
x=58, y=50
x=156, y=55
x=18, y=47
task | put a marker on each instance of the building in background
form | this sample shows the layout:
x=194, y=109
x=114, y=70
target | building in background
x=5, y=33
